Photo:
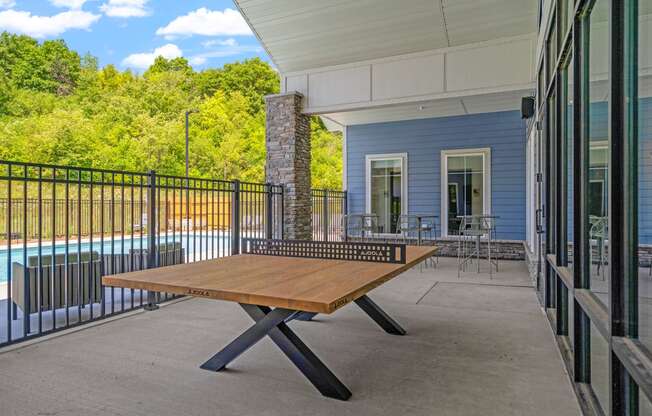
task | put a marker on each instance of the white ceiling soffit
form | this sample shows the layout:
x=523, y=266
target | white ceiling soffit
x=303, y=34
x=486, y=103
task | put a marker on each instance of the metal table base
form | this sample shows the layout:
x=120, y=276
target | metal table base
x=274, y=323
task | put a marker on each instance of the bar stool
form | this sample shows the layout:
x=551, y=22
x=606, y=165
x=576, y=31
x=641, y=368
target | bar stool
x=369, y=225
x=407, y=227
x=472, y=229
x=359, y=226
x=412, y=227
x=599, y=232
x=428, y=232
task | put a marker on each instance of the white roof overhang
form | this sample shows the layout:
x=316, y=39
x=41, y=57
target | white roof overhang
x=380, y=60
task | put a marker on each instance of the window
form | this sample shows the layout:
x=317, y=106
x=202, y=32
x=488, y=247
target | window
x=567, y=118
x=387, y=189
x=598, y=123
x=465, y=179
x=643, y=103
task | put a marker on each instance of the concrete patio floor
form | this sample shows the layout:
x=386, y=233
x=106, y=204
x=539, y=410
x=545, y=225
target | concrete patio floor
x=474, y=347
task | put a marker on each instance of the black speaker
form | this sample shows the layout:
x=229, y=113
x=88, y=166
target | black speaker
x=527, y=107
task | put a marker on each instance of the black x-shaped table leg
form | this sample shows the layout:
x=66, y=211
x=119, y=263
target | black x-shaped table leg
x=273, y=323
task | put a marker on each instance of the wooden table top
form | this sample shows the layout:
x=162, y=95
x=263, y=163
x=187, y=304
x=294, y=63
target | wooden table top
x=304, y=284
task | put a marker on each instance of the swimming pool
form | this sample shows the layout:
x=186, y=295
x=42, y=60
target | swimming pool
x=196, y=247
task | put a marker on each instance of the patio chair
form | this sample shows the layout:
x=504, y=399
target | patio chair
x=168, y=254
x=83, y=283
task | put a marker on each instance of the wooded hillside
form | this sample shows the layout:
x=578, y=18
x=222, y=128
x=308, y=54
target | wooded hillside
x=59, y=107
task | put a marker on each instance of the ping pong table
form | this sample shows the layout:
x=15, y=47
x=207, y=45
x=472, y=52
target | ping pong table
x=278, y=281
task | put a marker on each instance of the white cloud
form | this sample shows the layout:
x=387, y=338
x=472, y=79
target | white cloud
x=223, y=52
x=208, y=23
x=198, y=60
x=43, y=26
x=69, y=4
x=145, y=59
x=125, y=8
x=5, y=4
x=219, y=42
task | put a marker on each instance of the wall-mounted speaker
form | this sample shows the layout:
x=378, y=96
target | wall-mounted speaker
x=527, y=107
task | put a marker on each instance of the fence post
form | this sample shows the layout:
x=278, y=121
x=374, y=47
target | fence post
x=325, y=215
x=235, y=219
x=269, y=206
x=152, y=256
x=282, y=212
x=345, y=218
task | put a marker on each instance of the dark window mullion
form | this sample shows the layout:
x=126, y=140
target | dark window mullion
x=622, y=217
x=581, y=271
x=561, y=179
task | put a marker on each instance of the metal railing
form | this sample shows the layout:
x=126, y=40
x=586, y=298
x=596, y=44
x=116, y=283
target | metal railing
x=328, y=211
x=62, y=228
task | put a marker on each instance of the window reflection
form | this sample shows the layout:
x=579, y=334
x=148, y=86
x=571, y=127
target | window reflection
x=644, y=107
x=386, y=193
x=568, y=135
x=465, y=179
x=599, y=366
x=598, y=186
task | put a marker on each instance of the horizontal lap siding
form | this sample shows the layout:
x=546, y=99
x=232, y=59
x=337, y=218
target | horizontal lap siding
x=423, y=141
x=645, y=172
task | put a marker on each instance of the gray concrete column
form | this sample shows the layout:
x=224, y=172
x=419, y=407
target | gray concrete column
x=287, y=138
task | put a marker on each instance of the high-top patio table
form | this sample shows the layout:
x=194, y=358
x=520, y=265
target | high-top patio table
x=299, y=279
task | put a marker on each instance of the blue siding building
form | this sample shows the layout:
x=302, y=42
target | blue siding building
x=424, y=140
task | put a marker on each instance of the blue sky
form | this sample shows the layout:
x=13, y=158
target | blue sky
x=130, y=33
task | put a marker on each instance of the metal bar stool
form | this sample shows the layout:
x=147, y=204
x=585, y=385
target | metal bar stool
x=408, y=226
x=360, y=226
x=427, y=225
x=599, y=232
x=472, y=229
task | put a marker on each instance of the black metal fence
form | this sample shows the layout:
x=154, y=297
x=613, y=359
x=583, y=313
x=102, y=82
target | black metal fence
x=62, y=228
x=328, y=211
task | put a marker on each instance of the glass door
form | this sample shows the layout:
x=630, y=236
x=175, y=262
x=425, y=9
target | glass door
x=386, y=195
x=539, y=204
x=466, y=194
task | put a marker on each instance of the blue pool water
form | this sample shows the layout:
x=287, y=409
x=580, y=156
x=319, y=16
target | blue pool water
x=196, y=247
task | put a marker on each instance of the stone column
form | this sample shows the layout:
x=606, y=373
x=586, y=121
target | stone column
x=287, y=137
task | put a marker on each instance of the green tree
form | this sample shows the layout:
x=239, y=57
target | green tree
x=162, y=65
x=58, y=107
x=63, y=66
x=252, y=78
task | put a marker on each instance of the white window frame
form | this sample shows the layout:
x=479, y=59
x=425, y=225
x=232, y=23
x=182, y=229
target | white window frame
x=485, y=152
x=403, y=157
